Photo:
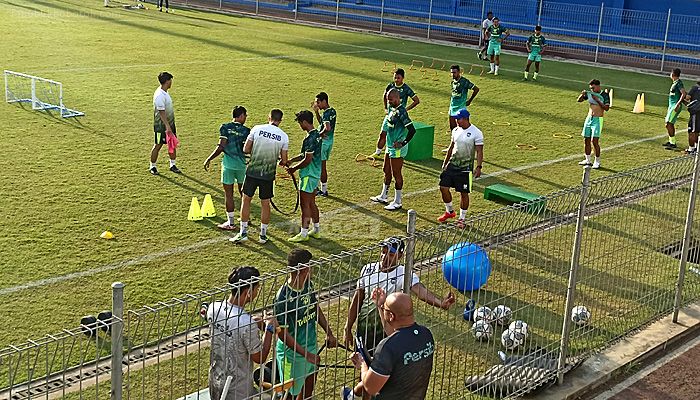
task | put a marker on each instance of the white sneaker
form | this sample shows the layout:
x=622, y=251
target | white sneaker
x=393, y=206
x=491, y=72
x=495, y=73
x=596, y=165
x=584, y=162
x=380, y=199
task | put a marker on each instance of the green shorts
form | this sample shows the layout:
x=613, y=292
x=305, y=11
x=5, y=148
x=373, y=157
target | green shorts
x=672, y=114
x=534, y=57
x=230, y=176
x=294, y=367
x=308, y=184
x=494, y=49
x=396, y=153
x=326, y=147
x=593, y=127
x=454, y=109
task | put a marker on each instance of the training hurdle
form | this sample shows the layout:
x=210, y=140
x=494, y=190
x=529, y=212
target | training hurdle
x=387, y=63
x=515, y=195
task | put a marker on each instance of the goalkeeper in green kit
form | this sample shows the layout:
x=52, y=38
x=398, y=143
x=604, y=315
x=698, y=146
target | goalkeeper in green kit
x=535, y=47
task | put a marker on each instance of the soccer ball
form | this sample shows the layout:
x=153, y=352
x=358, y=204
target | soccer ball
x=501, y=315
x=483, y=313
x=580, y=315
x=518, y=326
x=482, y=330
x=511, y=338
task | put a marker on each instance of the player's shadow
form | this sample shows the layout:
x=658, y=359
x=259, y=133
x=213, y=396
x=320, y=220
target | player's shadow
x=489, y=180
x=73, y=122
x=212, y=188
x=366, y=211
x=32, y=9
x=175, y=18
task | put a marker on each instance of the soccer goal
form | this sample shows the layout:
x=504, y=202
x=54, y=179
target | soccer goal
x=44, y=94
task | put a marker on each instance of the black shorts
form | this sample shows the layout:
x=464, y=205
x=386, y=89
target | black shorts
x=693, y=123
x=264, y=188
x=459, y=180
x=160, y=137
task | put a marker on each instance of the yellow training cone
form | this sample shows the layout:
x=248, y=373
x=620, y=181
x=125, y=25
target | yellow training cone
x=639, y=104
x=107, y=235
x=208, y=207
x=195, y=213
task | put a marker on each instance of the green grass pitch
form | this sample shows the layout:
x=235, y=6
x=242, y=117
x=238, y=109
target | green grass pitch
x=65, y=181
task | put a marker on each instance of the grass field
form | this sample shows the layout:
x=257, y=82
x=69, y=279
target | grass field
x=66, y=181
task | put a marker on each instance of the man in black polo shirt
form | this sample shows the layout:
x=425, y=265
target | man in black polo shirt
x=403, y=361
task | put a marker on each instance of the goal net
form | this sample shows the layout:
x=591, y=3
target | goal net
x=43, y=94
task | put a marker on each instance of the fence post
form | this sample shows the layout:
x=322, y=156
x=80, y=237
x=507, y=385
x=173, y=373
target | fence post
x=686, y=239
x=430, y=17
x=600, y=29
x=381, y=19
x=539, y=13
x=257, y=6
x=296, y=9
x=410, y=251
x=220, y=1
x=663, y=54
x=573, y=272
x=481, y=28
x=117, y=331
x=337, y=12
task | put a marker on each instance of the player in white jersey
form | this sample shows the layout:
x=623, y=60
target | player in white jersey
x=483, y=42
x=163, y=123
x=267, y=145
x=458, y=169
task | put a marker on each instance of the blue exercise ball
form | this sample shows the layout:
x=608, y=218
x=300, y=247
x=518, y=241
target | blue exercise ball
x=466, y=266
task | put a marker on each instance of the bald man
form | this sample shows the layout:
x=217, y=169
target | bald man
x=403, y=361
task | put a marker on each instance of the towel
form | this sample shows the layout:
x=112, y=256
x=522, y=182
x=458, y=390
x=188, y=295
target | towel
x=172, y=141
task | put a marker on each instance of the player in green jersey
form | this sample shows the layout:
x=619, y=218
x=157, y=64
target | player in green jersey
x=327, y=131
x=400, y=131
x=495, y=34
x=298, y=311
x=460, y=89
x=675, y=106
x=535, y=47
x=232, y=137
x=405, y=92
x=599, y=103
x=308, y=163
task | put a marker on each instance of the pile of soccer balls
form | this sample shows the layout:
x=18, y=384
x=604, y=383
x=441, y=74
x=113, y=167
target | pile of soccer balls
x=517, y=331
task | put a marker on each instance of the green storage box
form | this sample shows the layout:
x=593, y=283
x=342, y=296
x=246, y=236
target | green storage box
x=421, y=146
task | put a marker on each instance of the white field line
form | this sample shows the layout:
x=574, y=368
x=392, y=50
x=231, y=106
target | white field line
x=205, y=243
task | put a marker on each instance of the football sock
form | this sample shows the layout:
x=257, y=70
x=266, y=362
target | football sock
x=397, y=196
x=588, y=158
x=597, y=159
x=448, y=208
x=153, y=165
x=385, y=190
x=378, y=151
x=231, y=216
x=525, y=74
x=462, y=214
x=304, y=232
x=172, y=163
x=497, y=67
x=324, y=187
x=317, y=227
x=535, y=75
x=672, y=139
x=263, y=229
x=244, y=228
x=492, y=67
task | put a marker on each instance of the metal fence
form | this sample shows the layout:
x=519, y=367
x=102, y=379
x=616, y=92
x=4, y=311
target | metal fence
x=599, y=34
x=618, y=245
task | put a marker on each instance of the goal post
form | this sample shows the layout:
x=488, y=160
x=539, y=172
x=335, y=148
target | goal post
x=43, y=94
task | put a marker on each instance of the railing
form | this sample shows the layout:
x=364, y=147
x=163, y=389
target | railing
x=613, y=245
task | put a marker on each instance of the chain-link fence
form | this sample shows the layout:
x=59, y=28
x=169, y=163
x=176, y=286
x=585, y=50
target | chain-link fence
x=600, y=34
x=579, y=268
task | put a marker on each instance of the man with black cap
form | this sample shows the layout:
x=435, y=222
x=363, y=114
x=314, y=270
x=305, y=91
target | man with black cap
x=458, y=168
x=388, y=275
